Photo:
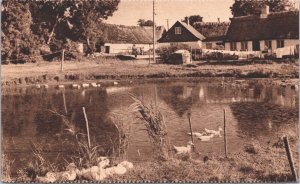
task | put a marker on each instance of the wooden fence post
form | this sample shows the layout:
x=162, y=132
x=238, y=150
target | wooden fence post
x=191, y=129
x=87, y=127
x=290, y=157
x=65, y=104
x=225, y=138
x=62, y=60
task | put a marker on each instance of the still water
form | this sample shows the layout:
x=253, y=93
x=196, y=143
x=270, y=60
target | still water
x=254, y=111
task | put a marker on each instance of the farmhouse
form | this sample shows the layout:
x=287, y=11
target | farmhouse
x=182, y=33
x=267, y=32
x=116, y=39
x=214, y=33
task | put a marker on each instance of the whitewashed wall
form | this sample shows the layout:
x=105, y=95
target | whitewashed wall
x=193, y=45
x=287, y=42
x=214, y=44
x=116, y=48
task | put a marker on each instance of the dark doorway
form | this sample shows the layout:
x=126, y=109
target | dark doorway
x=256, y=45
x=107, y=49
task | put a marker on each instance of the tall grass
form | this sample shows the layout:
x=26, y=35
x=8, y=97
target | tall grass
x=6, y=168
x=122, y=120
x=155, y=124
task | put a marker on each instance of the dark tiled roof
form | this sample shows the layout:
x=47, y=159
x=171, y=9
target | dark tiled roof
x=129, y=34
x=281, y=25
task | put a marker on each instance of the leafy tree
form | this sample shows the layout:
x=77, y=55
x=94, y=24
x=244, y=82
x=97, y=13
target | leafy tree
x=17, y=38
x=142, y=22
x=193, y=19
x=244, y=7
x=71, y=19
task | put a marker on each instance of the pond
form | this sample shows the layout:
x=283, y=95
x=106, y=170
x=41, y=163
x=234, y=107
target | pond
x=254, y=110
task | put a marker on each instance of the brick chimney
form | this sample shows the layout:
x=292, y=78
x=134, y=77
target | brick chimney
x=265, y=10
x=218, y=19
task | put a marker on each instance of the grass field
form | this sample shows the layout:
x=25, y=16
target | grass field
x=101, y=68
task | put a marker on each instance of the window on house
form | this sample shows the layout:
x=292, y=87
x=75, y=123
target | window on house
x=233, y=46
x=268, y=44
x=208, y=45
x=177, y=30
x=244, y=46
x=280, y=43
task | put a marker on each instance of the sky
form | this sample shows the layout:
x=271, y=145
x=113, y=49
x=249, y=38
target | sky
x=129, y=11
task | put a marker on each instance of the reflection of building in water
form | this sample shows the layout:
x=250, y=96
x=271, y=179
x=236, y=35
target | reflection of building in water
x=201, y=93
x=187, y=92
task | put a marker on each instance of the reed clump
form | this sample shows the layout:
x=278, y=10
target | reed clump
x=155, y=126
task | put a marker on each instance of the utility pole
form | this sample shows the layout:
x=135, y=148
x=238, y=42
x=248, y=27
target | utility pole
x=154, y=31
x=167, y=24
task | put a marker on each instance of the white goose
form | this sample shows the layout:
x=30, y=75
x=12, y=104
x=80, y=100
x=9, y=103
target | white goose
x=183, y=149
x=70, y=174
x=49, y=178
x=95, y=172
x=93, y=84
x=206, y=137
x=196, y=134
x=214, y=132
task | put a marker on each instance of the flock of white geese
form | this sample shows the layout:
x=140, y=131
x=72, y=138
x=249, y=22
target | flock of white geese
x=95, y=173
x=204, y=136
x=102, y=171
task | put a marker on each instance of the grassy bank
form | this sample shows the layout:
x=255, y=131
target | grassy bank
x=103, y=69
x=254, y=163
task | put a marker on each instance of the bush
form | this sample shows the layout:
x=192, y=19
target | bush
x=270, y=56
x=165, y=52
x=219, y=56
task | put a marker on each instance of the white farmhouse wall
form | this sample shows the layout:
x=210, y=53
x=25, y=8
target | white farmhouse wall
x=227, y=46
x=274, y=44
x=291, y=42
x=250, y=46
x=115, y=48
x=262, y=44
x=193, y=45
x=238, y=46
x=213, y=43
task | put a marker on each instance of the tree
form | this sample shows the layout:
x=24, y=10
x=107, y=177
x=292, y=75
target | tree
x=244, y=7
x=142, y=22
x=193, y=19
x=72, y=19
x=17, y=38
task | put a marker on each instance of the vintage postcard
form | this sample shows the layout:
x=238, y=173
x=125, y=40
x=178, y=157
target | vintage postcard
x=149, y=91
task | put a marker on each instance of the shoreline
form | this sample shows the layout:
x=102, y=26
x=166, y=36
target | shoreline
x=115, y=70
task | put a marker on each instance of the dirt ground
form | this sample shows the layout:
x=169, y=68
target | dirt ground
x=102, y=69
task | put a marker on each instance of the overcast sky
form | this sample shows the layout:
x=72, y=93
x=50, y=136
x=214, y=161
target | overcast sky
x=129, y=11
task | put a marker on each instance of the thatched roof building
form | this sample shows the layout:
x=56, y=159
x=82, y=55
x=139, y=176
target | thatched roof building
x=281, y=25
x=129, y=34
x=213, y=31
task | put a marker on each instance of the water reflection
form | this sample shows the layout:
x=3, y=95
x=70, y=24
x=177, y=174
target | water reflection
x=257, y=110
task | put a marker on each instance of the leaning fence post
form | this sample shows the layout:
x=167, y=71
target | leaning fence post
x=225, y=138
x=87, y=127
x=191, y=129
x=290, y=157
x=62, y=59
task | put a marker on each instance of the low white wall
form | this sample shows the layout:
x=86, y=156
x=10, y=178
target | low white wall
x=116, y=48
x=193, y=45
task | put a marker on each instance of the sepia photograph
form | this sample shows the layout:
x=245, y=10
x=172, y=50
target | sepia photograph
x=123, y=91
